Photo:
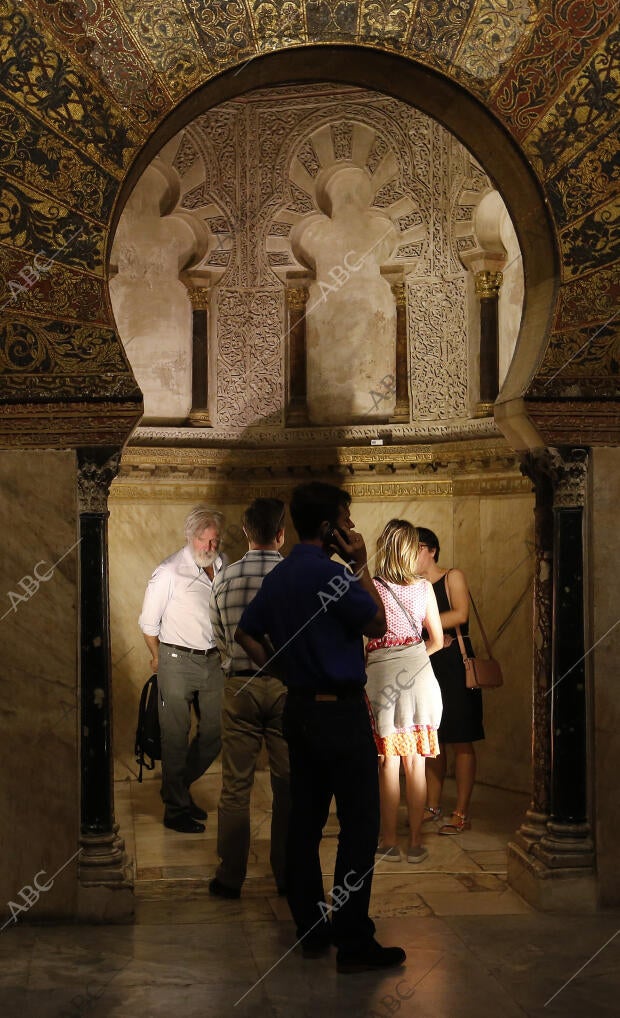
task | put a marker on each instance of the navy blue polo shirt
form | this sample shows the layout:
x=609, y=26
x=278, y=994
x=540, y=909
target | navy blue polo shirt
x=313, y=611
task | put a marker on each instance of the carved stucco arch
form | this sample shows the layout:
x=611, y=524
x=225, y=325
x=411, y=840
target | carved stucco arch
x=317, y=150
x=469, y=121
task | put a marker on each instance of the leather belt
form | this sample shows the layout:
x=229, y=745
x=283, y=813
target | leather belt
x=190, y=650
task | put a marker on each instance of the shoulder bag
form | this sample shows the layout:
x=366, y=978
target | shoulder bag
x=479, y=673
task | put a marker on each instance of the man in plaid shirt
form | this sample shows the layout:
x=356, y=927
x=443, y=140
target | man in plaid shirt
x=252, y=707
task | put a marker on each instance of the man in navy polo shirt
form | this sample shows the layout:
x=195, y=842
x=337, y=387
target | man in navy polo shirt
x=306, y=623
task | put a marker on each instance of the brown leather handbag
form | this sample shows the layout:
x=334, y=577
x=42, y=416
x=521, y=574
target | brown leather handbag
x=480, y=673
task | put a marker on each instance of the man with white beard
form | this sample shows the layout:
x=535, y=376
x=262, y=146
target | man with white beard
x=177, y=629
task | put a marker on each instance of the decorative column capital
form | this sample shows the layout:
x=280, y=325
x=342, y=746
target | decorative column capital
x=488, y=284
x=297, y=297
x=400, y=294
x=571, y=478
x=199, y=297
x=97, y=468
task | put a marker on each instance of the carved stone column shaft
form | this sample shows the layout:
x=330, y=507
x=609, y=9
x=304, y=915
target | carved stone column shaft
x=535, y=465
x=551, y=860
x=199, y=414
x=487, y=289
x=402, y=409
x=296, y=409
x=102, y=859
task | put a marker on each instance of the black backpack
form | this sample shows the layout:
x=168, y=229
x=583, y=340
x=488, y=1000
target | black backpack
x=148, y=735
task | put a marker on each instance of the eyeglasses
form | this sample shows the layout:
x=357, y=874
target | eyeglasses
x=420, y=545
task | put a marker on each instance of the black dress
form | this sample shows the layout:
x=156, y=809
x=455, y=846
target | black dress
x=461, y=720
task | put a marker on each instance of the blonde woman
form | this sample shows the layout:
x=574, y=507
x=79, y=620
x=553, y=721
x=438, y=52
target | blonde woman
x=402, y=689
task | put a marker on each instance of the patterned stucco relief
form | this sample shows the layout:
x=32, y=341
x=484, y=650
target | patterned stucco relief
x=438, y=348
x=259, y=161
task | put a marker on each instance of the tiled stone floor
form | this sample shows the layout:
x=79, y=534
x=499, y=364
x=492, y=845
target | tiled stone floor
x=474, y=947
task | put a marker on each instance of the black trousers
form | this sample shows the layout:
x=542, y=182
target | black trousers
x=332, y=753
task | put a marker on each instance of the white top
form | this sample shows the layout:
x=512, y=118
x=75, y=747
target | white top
x=176, y=602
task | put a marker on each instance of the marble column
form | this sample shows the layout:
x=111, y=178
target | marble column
x=402, y=409
x=487, y=290
x=551, y=859
x=568, y=841
x=537, y=467
x=296, y=406
x=102, y=861
x=199, y=414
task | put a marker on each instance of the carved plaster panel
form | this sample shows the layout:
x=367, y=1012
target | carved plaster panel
x=438, y=345
x=250, y=324
x=250, y=169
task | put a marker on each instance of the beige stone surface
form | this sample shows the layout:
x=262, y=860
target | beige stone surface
x=39, y=758
x=489, y=538
x=603, y=640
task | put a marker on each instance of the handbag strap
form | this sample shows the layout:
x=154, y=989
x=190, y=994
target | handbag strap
x=478, y=620
x=400, y=604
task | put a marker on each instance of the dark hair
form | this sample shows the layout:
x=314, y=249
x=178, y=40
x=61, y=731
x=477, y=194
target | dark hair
x=262, y=520
x=430, y=539
x=313, y=503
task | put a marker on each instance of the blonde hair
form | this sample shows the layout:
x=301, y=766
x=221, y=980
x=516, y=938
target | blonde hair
x=397, y=552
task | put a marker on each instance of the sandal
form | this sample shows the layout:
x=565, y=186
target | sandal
x=458, y=822
x=431, y=815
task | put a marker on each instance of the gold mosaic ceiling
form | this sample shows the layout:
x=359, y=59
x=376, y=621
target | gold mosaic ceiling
x=85, y=84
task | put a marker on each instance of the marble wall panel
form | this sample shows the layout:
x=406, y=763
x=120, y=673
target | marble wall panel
x=504, y=597
x=488, y=538
x=39, y=760
x=604, y=636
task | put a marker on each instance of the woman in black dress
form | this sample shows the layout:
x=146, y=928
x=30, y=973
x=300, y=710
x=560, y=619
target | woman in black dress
x=461, y=723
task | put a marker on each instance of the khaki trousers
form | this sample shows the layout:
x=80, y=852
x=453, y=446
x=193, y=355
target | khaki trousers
x=252, y=709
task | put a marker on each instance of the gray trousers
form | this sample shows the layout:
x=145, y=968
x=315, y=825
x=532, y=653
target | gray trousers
x=179, y=677
x=251, y=710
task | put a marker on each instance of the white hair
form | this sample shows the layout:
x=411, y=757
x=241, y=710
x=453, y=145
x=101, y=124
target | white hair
x=201, y=517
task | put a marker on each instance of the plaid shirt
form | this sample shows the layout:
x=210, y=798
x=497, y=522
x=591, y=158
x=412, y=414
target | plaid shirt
x=233, y=588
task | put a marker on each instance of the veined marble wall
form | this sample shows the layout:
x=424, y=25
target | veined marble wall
x=488, y=537
x=604, y=637
x=39, y=759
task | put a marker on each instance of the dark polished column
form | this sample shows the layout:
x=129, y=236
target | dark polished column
x=296, y=406
x=568, y=840
x=487, y=289
x=537, y=466
x=402, y=408
x=551, y=858
x=102, y=859
x=199, y=414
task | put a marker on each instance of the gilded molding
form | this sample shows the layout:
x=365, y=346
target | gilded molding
x=460, y=469
x=576, y=422
x=61, y=425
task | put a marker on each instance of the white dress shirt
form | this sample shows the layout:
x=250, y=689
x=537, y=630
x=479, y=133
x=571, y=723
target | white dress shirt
x=176, y=602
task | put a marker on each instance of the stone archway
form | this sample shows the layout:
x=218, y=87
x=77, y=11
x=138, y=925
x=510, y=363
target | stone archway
x=67, y=382
x=470, y=122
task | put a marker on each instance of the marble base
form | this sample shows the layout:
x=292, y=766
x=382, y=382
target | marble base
x=106, y=904
x=551, y=890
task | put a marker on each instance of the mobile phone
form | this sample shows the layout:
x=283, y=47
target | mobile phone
x=331, y=539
